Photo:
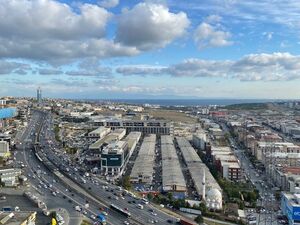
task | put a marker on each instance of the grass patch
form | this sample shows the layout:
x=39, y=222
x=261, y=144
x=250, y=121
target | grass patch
x=85, y=222
x=56, y=132
x=170, y=115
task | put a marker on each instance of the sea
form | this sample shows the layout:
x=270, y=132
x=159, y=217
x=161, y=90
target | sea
x=188, y=102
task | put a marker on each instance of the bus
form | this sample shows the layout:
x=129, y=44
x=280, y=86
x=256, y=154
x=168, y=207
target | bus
x=122, y=211
x=38, y=157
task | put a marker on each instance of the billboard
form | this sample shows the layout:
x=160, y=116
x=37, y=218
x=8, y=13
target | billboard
x=296, y=213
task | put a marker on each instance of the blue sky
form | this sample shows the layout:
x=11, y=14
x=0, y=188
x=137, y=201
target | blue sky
x=150, y=49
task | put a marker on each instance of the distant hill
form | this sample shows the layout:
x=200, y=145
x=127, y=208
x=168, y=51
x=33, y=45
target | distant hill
x=248, y=106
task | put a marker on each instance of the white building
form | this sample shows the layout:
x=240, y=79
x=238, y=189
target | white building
x=4, y=149
x=199, y=140
x=113, y=159
x=9, y=177
x=99, y=132
x=262, y=148
x=213, y=199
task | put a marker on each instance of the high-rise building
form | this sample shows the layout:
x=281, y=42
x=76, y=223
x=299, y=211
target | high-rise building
x=39, y=95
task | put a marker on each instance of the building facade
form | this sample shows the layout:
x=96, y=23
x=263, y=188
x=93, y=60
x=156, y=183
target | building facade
x=290, y=207
x=146, y=127
x=113, y=158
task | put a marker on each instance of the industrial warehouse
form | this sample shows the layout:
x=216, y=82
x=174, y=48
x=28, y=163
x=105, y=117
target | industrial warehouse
x=142, y=171
x=172, y=177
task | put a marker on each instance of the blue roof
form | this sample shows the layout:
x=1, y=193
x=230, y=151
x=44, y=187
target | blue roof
x=8, y=113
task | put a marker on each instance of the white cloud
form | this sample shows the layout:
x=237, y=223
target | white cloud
x=207, y=35
x=53, y=31
x=109, y=3
x=140, y=70
x=268, y=35
x=254, y=67
x=42, y=19
x=149, y=26
x=98, y=71
x=7, y=67
x=213, y=19
x=283, y=12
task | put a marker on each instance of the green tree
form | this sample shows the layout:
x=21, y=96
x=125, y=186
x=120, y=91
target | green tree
x=199, y=219
x=170, y=196
x=202, y=207
x=126, y=183
x=150, y=196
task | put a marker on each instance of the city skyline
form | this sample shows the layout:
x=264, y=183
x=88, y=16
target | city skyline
x=150, y=49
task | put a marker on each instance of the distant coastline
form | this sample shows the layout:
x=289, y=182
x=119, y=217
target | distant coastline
x=187, y=102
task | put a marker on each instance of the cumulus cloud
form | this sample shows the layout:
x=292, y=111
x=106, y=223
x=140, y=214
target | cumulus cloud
x=52, y=31
x=149, y=26
x=254, y=67
x=90, y=69
x=109, y=3
x=207, y=35
x=41, y=19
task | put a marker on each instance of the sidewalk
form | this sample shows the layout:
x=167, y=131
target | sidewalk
x=217, y=221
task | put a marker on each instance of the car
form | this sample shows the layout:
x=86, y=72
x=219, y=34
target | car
x=126, y=222
x=93, y=217
x=104, y=213
x=169, y=221
x=154, y=213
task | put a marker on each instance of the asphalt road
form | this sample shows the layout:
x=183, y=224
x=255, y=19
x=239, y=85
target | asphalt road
x=46, y=182
x=259, y=180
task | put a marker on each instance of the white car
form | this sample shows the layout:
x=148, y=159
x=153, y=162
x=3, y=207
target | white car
x=93, y=217
x=154, y=213
x=126, y=222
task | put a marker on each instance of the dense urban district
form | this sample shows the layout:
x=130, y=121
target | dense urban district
x=100, y=162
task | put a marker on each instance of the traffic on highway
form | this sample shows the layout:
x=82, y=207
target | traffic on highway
x=53, y=176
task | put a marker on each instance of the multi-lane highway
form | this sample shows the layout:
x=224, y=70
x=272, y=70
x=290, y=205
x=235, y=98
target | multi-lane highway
x=74, y=188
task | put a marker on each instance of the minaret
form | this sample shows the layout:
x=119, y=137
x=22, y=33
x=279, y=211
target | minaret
x=203, y=183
